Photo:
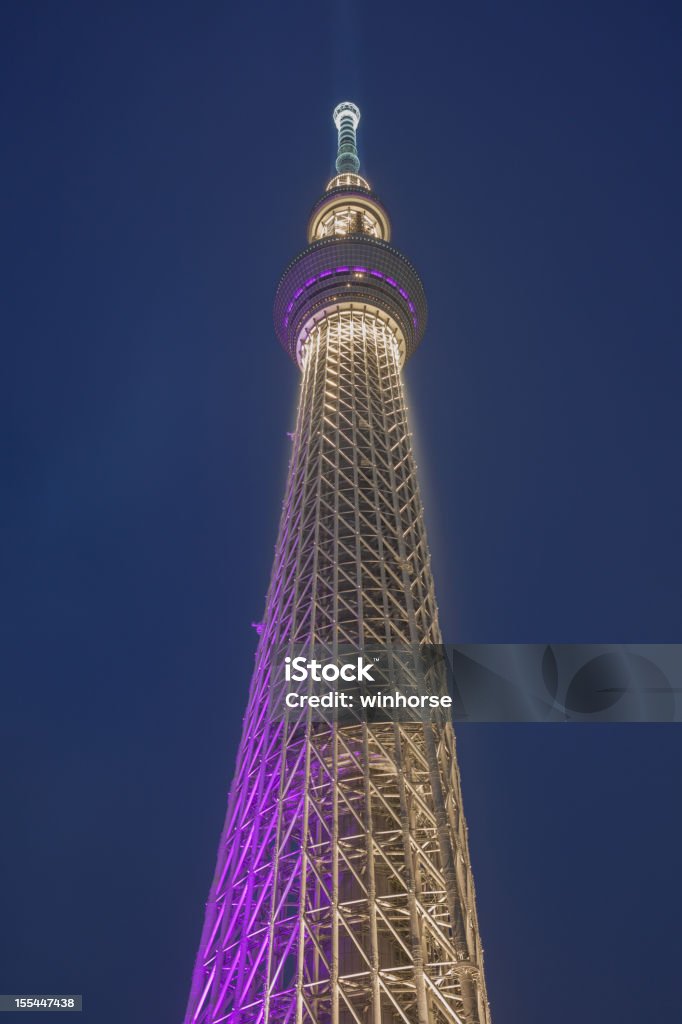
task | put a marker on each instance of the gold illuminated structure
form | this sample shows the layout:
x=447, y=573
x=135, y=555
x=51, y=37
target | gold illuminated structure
x=343, y=892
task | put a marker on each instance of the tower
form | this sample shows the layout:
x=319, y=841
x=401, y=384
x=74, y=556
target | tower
x=343, y=891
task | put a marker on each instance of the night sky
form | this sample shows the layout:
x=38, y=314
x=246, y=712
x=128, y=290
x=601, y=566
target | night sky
x=159, y=163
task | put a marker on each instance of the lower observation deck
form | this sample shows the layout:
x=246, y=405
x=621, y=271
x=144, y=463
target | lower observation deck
x=355, y=270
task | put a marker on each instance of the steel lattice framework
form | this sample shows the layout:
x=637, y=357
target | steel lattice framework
x=343, y=891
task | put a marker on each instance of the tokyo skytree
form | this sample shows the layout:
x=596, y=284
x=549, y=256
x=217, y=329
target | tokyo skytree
x=343, y=891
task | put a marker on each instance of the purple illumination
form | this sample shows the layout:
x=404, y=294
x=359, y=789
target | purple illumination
x=346, y=270
x=238, y=939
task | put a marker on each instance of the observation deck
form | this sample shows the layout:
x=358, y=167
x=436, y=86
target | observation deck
x=349, y=262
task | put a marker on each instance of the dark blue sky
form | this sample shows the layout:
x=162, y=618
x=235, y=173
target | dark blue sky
x=159, y=163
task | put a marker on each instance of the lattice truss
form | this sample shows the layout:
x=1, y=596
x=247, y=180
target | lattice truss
x=343, y=892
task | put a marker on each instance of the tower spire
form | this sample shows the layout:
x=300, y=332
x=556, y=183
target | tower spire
x=346, y=118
